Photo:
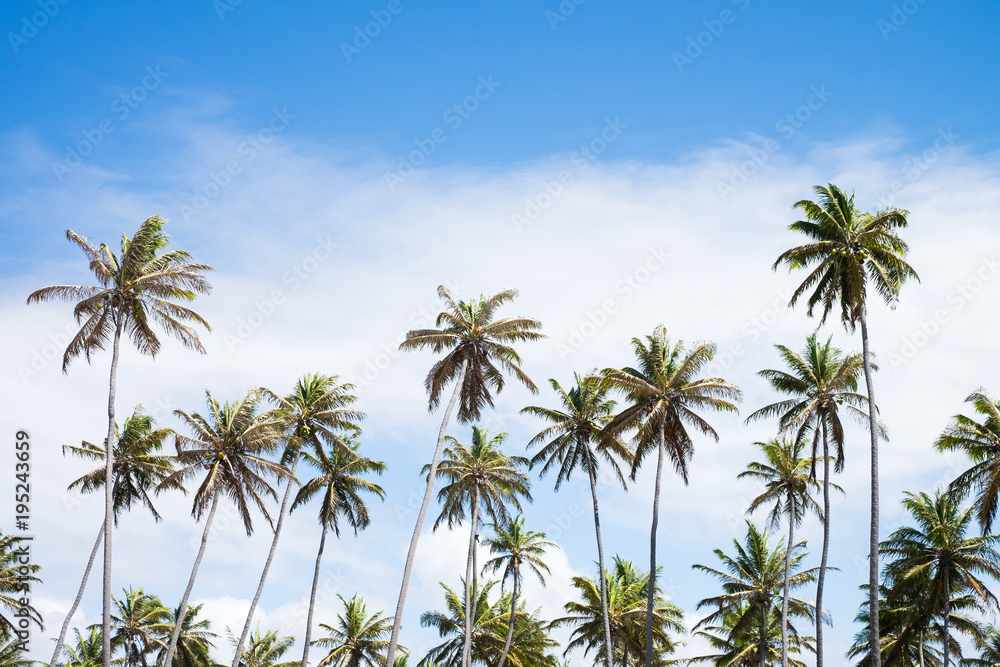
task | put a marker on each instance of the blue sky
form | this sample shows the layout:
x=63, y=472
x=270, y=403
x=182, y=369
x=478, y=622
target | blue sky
x=610, y=157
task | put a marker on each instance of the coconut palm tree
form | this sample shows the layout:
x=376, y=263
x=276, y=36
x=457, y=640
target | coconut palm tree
x=626, y=612
x=139, y=468
x=480, y=352
x=989, y=649
x=753, y=582
x=740, y=647
x=789, y=486
x=980, y=441
x=193, y=641
x=135, y=287
x=13, y=576
x=574, y=439
x=87, y=652
x=341, y=482
x=529, y=648
x=818, y=382
x=227, y=446
x=11, y=654
x=140, y=622
x=664, y=396
x=482, y=481
x=319, y=411
x=359, y=638
x=852, y=252
x=516, y=548
x=936, y=550
x=264, y=650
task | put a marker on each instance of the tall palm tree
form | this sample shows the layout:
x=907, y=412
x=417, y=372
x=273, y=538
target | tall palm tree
x=135, y=287
x=193, y=641
x=319, y=411
x=13, y=576
x=980, y=441
x=852, y=252
x=575, y=440
x=138, y=626
x=752, y=583
x=11, y=654
x=480, y=352
x=789, y=486
x=664, y=396
x=626, y=612
x=937, y=550
x=516, y=548
x=359, y=638
x=264, y=650
x=818, y=382
x=227, y=446
x=341, y=482
x=139, y=467
x=482, y=481
x=87, y=652
x=740, y=648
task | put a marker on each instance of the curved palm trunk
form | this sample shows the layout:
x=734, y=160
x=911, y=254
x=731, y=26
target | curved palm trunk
x=762, y=644
x=947, y=613
x=79, y=596
x=179, y=622
x=109, y=503
x=826, y=549
x=875, y=639
x=267, y=563
x=411, y=553
x=470, y=588
x=510, y=624
x=651, y=593
x=609, y=653
x=788, y=568
x=312, y=599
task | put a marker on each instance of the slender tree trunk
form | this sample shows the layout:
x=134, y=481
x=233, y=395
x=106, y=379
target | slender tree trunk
x=821, y=580
x=651, y=593
x=411, y=553
x=470, y=588
x=79, y=596
x=267, y=563
x=109, y=503
x=947, y=613
x=608, y=651
x=510, y=624
x=762, y=643
x=312, y=599
x=788, y=569
x=875, y=649
x=920, y=649
x=179, y=623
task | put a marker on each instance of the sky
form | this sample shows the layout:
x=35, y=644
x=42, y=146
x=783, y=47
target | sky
x=622, y=166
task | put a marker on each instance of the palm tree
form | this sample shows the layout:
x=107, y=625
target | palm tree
x=88, y=651
x=358, y=640
x=577, y=440
x=516, y=548
x=852, y=251
x=485, y=479
x=937, y=550
x=193, y=640
x=264, y=650
x=752, y=582
x=788, y=483
x=529, y=647
x=227, y=446
x=989, y=649
x=740, y=647
x=138, y=468
x=11, y=654
x=664, y=395
x=14, y=575
x=135, y=287
x=626, y=614
x=340, y=480
x=318, y=409
x=480, y=353
x=818, y=382
x=980, y=441
x=137, y=628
